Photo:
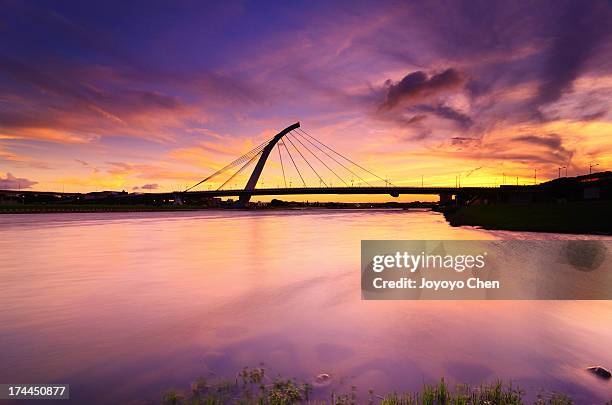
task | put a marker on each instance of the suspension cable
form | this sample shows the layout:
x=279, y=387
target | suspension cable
x=335, y=160
x=305, y=160
x=234, y=163
x=319, y=159
x=344, y=157
x=250, y=156
x=281, y=162
x=239, y=171
x=293, y=161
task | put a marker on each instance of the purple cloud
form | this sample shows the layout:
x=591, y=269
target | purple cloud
x=552, y=142
x=463, y=120
x=11, y=182
x=582, y=28
x=418, y=85
x=151, y=186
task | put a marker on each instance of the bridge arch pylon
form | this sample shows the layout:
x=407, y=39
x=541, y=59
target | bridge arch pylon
x=244, y=198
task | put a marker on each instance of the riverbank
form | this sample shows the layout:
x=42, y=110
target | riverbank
x=569, y=217
x=83, y=208
x=94, y=208
x=253, y=386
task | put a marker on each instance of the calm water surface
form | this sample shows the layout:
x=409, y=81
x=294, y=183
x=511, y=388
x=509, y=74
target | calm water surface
x=125, y=305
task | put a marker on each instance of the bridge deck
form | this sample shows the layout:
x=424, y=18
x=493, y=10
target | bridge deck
x=350, y=190
x=391, y=190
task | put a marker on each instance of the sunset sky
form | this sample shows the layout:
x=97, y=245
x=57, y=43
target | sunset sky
x=142, y=96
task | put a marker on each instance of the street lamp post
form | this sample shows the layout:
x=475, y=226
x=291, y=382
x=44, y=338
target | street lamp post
x=591, y=166
x=564, y=167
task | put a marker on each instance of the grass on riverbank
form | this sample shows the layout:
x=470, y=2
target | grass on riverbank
x=568, y=217
x=253, y=387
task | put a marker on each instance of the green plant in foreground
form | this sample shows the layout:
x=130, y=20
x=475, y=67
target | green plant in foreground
x=496, y=393
x=253, y=387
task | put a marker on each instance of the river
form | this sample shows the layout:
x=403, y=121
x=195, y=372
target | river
x=125, y=305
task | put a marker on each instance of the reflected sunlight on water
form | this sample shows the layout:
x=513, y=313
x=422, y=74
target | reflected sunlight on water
x=125, y=305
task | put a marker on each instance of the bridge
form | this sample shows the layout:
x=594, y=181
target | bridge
x=394, y=191
x=327, y=163
x=295, y=148
x=327, y=159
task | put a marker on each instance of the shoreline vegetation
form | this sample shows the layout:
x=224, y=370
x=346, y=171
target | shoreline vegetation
x=93, y=207
x=573, y=217
x=252, y=386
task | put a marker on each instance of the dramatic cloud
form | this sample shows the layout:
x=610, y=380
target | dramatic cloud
x=529, y=149
x=64, y=105
x=552, y=141
x=11, y=182
x=460, y=140
x=446, y=112
x=147, y=171
x=581, y=29
x=594, y=116
x=511, y=84
x=418, y=85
